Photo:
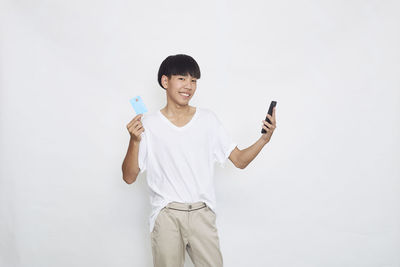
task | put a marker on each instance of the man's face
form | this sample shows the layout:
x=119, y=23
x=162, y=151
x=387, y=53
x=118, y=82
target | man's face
x=178, y=86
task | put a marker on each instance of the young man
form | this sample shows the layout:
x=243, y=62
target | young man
x=178, y=146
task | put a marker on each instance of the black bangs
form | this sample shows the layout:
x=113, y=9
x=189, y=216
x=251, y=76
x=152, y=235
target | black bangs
x=179, y=64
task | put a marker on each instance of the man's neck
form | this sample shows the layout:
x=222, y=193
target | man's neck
x=177, y=111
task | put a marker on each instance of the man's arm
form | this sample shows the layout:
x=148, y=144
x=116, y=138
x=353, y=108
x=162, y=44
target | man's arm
x=130, y=166
x=242, y=158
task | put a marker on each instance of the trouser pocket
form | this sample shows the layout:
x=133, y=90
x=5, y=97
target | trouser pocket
x=157, y=222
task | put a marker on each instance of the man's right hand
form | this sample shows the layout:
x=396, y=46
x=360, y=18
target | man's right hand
x=135, y=128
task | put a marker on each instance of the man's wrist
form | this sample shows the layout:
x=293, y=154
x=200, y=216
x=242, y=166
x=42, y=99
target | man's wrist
x=264, y=141
x=134, y=141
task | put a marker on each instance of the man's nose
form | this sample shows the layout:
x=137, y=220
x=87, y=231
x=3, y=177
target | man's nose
x=188, y=85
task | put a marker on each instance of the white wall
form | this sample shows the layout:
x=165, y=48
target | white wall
x=323, y=192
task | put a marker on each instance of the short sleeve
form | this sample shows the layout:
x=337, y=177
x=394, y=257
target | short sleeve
x=142, y=158
x=223, y=144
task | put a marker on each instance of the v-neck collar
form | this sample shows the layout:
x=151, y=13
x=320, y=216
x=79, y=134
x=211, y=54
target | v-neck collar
x=176, y=127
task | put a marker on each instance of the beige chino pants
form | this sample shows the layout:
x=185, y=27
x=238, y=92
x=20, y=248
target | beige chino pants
x=190, y=227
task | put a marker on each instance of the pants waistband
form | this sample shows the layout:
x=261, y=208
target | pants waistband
x=186, y=206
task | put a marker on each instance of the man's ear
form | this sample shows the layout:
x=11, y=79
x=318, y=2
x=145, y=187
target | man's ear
x=164, y=81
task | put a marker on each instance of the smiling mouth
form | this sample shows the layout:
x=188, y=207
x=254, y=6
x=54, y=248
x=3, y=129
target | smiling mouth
x=184, y=95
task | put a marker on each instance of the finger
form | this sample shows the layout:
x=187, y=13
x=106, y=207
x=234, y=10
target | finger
x=273, y=114
x=266, y=128
x=270, y=126
x=136, y=126
x=136, y=118
x=132, y=123
x=272, y=119
x=139, y=129
x=137, y=132
x=137, y=123
x=265, y=122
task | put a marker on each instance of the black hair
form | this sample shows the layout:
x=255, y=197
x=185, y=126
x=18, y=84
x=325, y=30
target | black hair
x=179, y=64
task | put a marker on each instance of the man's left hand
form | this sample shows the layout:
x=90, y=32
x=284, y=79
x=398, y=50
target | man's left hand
x=269, y=127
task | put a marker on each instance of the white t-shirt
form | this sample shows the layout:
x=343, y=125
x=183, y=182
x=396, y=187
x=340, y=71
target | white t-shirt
x=180, y=160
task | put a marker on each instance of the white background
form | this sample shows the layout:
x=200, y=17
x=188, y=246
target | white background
x=323, y=192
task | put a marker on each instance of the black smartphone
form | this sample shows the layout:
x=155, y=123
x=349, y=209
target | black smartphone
x=271, y=107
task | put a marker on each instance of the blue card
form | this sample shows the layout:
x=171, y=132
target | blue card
x=138, y=105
